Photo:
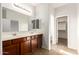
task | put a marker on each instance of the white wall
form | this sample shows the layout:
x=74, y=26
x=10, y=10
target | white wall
x=43, y=14
x=51, y=28
x=78, y=28
x=69, y=10
x=0, y=28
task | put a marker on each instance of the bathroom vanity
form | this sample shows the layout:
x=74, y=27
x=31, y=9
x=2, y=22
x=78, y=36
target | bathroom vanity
x=16, y=39
x=22, y=45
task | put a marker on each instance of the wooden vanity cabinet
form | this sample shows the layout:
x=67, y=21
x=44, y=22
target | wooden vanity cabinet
x=22, y=46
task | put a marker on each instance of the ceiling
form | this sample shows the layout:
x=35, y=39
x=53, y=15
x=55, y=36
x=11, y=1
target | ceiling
x=54, y=5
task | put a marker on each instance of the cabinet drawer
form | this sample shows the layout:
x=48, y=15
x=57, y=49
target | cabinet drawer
x=34, y=37
x=40, y=36
x=28, y=38
x=15, y=41
x=23, y=39
x=6, y=43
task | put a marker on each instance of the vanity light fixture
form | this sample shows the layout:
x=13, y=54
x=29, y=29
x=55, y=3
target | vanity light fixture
x=21, y=7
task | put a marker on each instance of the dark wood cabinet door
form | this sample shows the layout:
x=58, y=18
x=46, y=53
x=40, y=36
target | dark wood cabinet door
x=11, y=50
x=25, y=47
x=39, y=40
x=34, y=44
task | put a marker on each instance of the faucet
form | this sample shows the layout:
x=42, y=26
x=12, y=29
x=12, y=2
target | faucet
x=31, y=32
x=14, y=34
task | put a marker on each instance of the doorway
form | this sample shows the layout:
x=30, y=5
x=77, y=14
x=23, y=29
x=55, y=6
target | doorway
x=61, y=26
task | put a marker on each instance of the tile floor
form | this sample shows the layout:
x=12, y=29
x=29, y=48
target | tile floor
x=62, y=41
x=45, y=52
x=59, y=49
x=56, y=50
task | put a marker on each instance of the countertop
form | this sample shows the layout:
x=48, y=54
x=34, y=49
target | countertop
x=9, y=36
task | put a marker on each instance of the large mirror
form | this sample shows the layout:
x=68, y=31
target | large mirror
x=14, y=21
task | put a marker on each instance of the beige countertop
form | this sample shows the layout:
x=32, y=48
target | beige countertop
x=9, y=36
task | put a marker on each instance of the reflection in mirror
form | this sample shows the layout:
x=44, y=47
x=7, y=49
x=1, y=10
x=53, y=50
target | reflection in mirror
x=35, y=24
x=14, y=26
x=14, y=21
